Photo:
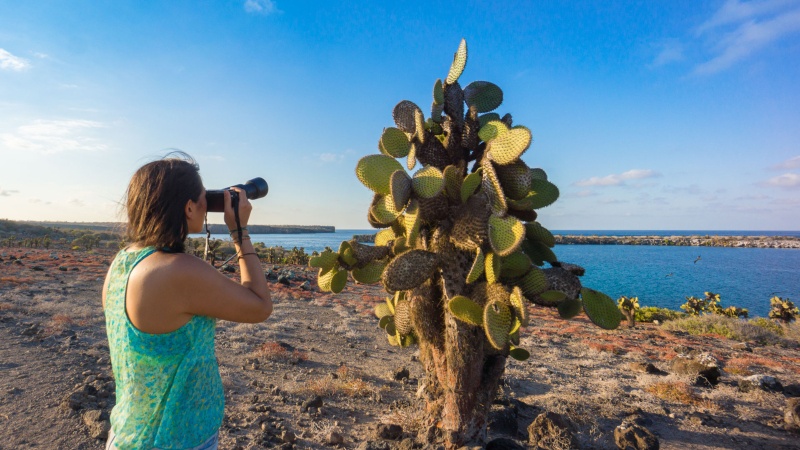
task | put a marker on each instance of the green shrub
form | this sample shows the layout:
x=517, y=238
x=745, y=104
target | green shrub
x=767, y=324
x=651, y=313
x=728, y=327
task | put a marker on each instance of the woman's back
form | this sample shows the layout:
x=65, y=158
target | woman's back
x=180, y=405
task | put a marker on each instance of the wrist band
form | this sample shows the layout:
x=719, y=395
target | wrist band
x=236, y=231
x=245, y=254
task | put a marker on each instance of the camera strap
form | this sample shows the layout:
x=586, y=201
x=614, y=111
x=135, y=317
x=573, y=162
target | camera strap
x=238, y=223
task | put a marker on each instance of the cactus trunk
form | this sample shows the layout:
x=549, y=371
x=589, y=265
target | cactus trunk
x=460, y=385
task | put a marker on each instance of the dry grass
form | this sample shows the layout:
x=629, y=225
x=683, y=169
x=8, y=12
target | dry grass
x=275, y=351
x=346, y=383
x=679, y=392
x=721, y=326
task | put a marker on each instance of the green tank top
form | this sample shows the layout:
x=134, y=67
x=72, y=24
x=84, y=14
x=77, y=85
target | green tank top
x=169, y=391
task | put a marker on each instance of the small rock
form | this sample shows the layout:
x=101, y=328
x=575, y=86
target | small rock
x=399, y=374
x=503, y=444
x=282, y=279
x=645, y=368
x=758, y=381
x=550, y=427
x=635, y=437
x=306, y=286
x=742, y=347
x=288, y=437
x=37, y=268
x=792, y=390
x=389, y=431
x=315, y=402
x=334, y=438
x=703, y=365
x=97, y=422
x=792, y=414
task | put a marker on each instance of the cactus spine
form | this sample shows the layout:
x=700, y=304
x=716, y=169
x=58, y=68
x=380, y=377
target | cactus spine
x=460, y=248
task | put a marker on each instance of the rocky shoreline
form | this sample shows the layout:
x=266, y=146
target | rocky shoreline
x=684, y=241
x=672, y=241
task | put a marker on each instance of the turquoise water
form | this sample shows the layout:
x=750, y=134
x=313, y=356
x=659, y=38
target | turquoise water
x=659, y=276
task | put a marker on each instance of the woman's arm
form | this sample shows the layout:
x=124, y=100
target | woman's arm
x=216, y=295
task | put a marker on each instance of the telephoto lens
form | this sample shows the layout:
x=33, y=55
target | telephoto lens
x=255, y=188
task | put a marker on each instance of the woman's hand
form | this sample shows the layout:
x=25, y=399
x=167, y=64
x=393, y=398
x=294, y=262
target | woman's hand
x=244, y=209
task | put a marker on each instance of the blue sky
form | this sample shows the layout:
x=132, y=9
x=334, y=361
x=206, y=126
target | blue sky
x=661, y=115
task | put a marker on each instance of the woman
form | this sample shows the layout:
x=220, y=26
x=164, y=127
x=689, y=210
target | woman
x=161, y=306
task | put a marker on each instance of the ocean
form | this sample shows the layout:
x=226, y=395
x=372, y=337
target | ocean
x=659, y=276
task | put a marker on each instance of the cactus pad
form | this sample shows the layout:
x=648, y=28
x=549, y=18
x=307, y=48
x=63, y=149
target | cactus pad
x=395, y=142
x=497, y=323
x=471, y=224
x=454, y=101
x=483, y=119
x=452, y=182
x=484, y=95
x=383, y=210
x=550, y=298
x=428, y=182
x=382, y=310
x=515, y=265
x=505, y=234
x=570, y=308
x=403, y=115
x=466, y=310
x=419, y=126
x=438, y=93
x=412, y=222
x=494, y=191
x=538, y=174
x=400, y=185
x=408, y=270
x=375, y=171
x=508, y=146
x=402, y=317
x=470, y=183
x=370, y=273
x=411, y=160
x=384, y=237
x=346, y=254
x=332, y=280
x=533, y=283
x=491, y=129
x=536, y=232
x=544, y=193
x=515, y=179
x=517, y=300
x=492, y=267
x=325, y=261
x=538, y=252
x=520, y=354
x=459, y=62
x=477, y=268
x=601, y=309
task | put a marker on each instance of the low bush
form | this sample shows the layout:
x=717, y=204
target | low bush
x=651, y=313
x=728, y=327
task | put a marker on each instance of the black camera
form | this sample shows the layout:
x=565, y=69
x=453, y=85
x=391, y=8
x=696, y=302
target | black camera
x=255, y=188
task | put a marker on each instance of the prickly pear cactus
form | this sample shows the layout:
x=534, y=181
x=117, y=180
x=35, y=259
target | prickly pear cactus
x=459, y=249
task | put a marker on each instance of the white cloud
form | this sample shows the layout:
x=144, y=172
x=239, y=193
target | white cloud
x=738, y=29
x=263, y=7
x=54, y=136
x=671, y=52
x=786, y=181
x=77, y=202
x=330, y=157
x=789, y=164
x=618, y=179
x=7, y=192
x=11, y=62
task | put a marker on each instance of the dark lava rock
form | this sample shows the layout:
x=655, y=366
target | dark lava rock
x=550, y=427
x=315, y=402
x=389, y=431
x=630, y=436
x=503, y=444
x=399, y=374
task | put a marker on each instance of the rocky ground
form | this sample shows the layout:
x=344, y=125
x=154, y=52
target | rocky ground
x=320, y=374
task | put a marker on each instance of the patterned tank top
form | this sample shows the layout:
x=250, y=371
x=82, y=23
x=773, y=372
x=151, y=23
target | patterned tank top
x=168, y=387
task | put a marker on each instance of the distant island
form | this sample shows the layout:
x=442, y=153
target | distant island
x=26, y=227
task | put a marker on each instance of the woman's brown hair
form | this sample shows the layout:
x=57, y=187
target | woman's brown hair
x=156, y=197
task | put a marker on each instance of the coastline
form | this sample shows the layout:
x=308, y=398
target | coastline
x=788, y=242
